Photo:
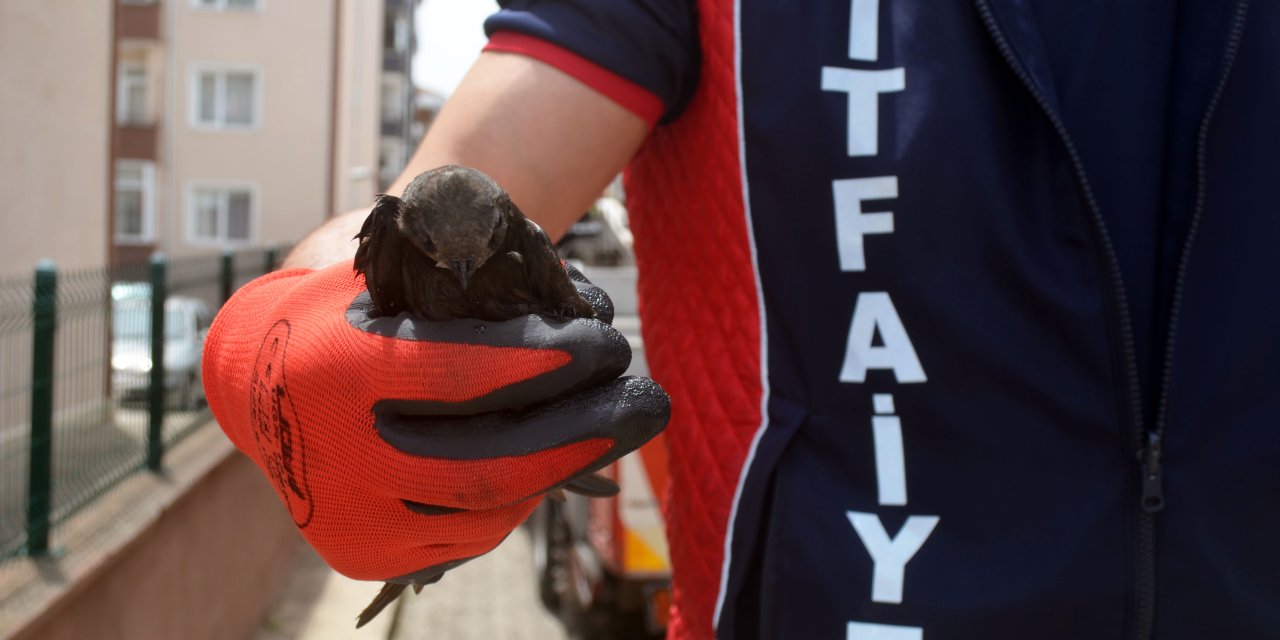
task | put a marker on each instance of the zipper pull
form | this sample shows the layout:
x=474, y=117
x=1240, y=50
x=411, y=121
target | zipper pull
x=1152, y=475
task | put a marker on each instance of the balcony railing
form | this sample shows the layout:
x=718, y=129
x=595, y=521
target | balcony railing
x=394, y=61
x=136, y=141
x=138, y=21
x=394, y=128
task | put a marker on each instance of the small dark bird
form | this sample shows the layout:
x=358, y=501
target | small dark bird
x=456, y=246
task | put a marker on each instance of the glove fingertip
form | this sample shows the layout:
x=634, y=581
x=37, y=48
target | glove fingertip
x=608, y=355
x=595, y=296
x=593, y=485
x=598, y=299
x=575, y=274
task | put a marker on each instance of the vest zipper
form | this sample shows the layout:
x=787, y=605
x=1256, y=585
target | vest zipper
x=1151, y=462
x=1144, y=444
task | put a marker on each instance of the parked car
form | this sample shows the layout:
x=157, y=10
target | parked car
x=186, y=323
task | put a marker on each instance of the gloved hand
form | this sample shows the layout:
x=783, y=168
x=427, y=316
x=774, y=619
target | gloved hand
x=403, y=448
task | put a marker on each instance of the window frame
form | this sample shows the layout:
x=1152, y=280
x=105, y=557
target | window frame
x=397, y=87
x=223, y=7
x=148, y=187
x=387, y=175
x=225, y=187
x=197, y=69
x=122, y=94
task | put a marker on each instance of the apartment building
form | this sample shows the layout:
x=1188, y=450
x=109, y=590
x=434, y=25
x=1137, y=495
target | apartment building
x=55, y=79
x=400, y=131
x=187, y=126
x=241, y=122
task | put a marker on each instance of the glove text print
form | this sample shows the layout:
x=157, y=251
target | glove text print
x=275, y=425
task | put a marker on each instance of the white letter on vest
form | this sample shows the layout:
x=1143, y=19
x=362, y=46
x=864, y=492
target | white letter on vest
x=870, y=631
x=852, y=223
x=874, y=311
x=864, y=89
x=891, y=472
x=864, y=20
x=890, y=556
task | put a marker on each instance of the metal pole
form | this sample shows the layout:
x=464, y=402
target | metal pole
x=156, y=392
x=227, y=273
x=40, y=467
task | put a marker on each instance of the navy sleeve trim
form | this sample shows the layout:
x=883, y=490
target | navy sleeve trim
x=627, y=94
x=622, y=48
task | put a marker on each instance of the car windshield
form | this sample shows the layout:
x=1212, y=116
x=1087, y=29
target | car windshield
x=134, y=321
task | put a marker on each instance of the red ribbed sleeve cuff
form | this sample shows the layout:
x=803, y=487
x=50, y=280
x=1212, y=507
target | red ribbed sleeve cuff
x=627, y=94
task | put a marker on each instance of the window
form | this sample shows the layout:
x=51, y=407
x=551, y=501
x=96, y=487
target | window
x=225, y=5
x=390, y=32
x=226, y=98
x=131, y=94
x=220, y=215
x=393, y=99
x=391, y=160
x=135, y=201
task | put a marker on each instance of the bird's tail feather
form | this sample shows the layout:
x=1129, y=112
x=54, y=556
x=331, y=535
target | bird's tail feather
x=388, y=594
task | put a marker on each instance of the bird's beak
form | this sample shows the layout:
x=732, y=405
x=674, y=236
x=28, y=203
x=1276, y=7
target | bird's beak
x=464, y=269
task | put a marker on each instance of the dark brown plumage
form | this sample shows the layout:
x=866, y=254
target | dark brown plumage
x=456, y=246
x=388, y=594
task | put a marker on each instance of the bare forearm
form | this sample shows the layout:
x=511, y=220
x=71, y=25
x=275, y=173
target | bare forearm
x=332, y=243
x=550, y=141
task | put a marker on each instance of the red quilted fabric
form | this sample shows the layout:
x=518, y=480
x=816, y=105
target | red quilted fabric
x=700, y=316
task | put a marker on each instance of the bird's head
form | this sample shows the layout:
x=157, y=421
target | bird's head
x=457, y=217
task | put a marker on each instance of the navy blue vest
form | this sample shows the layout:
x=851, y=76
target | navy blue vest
x=971, y=434
x=957, y=444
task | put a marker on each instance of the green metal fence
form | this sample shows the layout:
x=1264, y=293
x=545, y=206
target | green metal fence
x=99, y=376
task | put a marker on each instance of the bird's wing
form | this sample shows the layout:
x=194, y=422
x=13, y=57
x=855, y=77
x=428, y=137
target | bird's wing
x=380, y=253
x=548, y=280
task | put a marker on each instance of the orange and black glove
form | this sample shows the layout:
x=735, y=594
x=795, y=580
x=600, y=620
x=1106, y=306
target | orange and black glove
x=403, y=448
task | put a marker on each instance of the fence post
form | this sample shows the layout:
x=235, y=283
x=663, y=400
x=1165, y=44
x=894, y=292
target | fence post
x=270, y=262
x=227, y=274
x=40, y=465
x=156, y=395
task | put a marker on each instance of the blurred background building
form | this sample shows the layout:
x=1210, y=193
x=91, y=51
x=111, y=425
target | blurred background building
x=188, y=126
x=397, y=129
x=55, y=79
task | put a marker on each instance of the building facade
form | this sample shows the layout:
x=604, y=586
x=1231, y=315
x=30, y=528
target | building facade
x=186, y=126
x=400, y=131
x=55, y=124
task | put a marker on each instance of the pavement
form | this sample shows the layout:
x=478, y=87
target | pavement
x=491, y=597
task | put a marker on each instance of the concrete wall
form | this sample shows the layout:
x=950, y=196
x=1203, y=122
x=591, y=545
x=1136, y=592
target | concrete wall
x=55, y=88
x=207, y=568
